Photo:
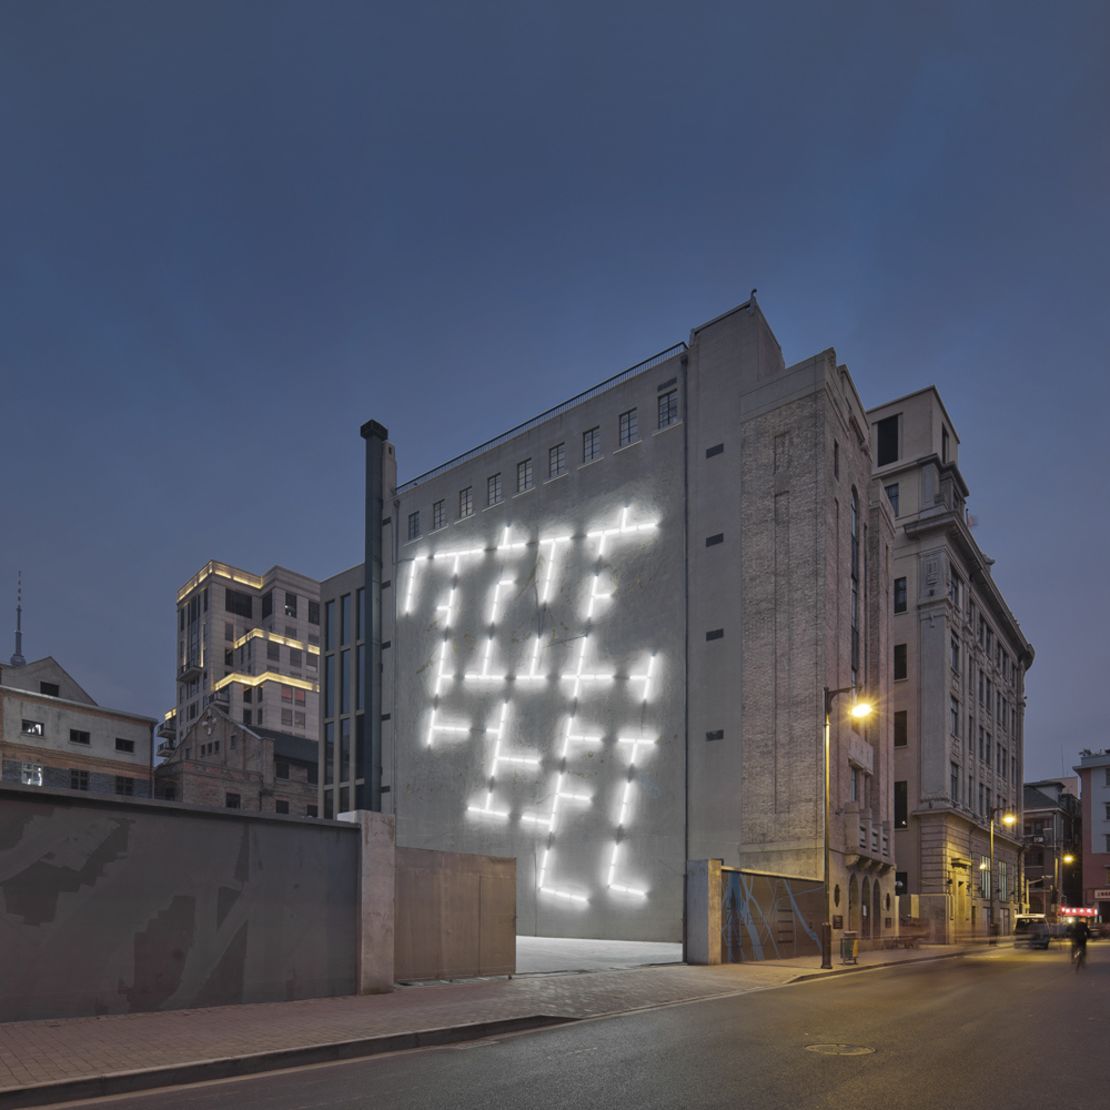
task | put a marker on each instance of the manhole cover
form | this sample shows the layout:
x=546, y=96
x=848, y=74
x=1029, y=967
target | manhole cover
x=840, y=1049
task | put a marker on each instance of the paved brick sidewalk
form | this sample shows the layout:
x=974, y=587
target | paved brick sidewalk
x=50, y=1051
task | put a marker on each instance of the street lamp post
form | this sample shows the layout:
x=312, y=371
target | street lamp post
x=1008, y=819
x=860, y=711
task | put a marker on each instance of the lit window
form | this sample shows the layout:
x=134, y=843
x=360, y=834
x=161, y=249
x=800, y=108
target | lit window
x=290, y=604
x=629, y=428
x=557, y=460
x=591, y=445
x=466, y=502
x=493, y=490
x=30, y=774
x=524, y=476
x=33, y=728
x=668, y=408
x=437, y=515
x=414, y=525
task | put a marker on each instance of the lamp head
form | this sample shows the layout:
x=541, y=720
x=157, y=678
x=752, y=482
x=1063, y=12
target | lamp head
x=1067, y=857
x=1009, y=819
x=861, y=710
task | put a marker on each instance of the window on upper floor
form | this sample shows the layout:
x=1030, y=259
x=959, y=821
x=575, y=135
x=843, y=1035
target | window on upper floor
x=232, y=801
x=954, y=654
x=628, y=428
x=944, y=445
x=954, y=782
x=886, y=440
x=494, y=494
x=591, y=444
x=33, y=728
x=438, y=515
x=79, y=736
x=900, y=666
x=668, y=408
x=123, y=745
x=313, y=614
x=125, y=785
x=466, y=502
x=290, y=604
x=78, y=780
x=414, y=525
x=30, y=774
x=901, y=805
x=557, y=460
x=954, y=716
x=239, y=603
x=51, y=689
x=901, y=728
x=267, y=605
x=892, y=492
x=899, y=595
x=524, y=475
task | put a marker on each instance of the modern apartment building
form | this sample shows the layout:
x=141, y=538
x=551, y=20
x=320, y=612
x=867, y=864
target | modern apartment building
x=250, y=643
x=1052, y=834
x=1094, y=775
x=599, y=643
x=53, y=734
x=958, y=692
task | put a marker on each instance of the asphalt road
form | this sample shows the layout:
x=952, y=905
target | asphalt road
x=1007, y=1030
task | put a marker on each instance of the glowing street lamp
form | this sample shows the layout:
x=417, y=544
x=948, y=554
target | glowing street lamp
x=861, y=709
x=1008, y=819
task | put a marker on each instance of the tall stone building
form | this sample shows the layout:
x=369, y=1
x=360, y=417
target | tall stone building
x=958, y=692
x=603, y=640
x=249, y=643
x=1094, y=774
x=1052, y=833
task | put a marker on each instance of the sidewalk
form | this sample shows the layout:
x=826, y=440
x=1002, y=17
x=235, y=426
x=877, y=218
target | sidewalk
x=53, y=1060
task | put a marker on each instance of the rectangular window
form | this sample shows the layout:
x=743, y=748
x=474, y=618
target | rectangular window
x=287, y=694
x=281, y=769
x=886, y=437
x=232, y=801
x=281, y=806
x=239, y=603
x=78, y=736
x=273, y=651
x=954, y=783
x=437, y=515
x=30, y=774
x=267, y=604
x=954, y=716
x=557, y=460
x=901, y=806
x=628, y=427
x=900, y=661
x=344, y=682
x=591, y=445
x=836, y=459
x=290, y=604
x=247, y=717
x=79, y=780
x=901, y=728
x=125, y=785
x=50, y=689
x=310, y=811
x=313, y=612
x=899, y=595
x=466, y=502
x=524, y=476
x=668, y=408
x=329, y=685
x=123, y=745
x=943, y=444
x=329, y=625
x=295, y=659
x=892, y=492
x=287, y=718
x=493, y=490
x=414, y=525
x=954, y=654
x=33, y=728
x=345, y=619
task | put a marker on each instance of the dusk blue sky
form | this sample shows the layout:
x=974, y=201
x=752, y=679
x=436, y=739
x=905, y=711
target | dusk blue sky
x=233, y=231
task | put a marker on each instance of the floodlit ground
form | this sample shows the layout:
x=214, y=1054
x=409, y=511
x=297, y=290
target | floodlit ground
x=546, y=954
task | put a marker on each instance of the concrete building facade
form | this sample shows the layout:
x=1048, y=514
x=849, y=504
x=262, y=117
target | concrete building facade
x=605, y=639
x=249, y=643
x=1051, y=835
x=54, y=735
x=1094, y=775
x=958, y=682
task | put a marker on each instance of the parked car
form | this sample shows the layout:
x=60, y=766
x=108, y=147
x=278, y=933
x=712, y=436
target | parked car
x=1031, y=930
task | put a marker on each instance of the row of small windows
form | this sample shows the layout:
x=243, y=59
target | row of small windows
x=628, y=432
x=76, y=735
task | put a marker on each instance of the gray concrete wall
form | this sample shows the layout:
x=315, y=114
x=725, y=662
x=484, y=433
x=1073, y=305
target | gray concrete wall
x=114, y=906
x=456, y=915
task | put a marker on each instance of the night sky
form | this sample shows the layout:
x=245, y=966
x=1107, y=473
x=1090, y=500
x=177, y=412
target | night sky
x=233, y=231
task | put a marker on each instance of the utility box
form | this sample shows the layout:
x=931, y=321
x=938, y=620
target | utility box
x=849, y=948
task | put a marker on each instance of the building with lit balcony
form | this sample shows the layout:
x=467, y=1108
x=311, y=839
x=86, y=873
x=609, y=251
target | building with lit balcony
x=958, y=660
x=599, y=642
x=249, y=643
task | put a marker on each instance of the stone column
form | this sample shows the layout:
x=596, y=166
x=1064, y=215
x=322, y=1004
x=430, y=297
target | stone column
x=703, y=911
x=377, y=900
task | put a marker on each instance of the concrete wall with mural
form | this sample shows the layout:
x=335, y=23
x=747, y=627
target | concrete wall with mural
x=769, y=917
x=114, y=906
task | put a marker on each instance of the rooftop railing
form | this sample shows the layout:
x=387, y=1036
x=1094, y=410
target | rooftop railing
x=578, y=399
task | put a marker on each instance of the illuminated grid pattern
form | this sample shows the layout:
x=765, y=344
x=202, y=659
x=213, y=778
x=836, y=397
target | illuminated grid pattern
x=584, y=677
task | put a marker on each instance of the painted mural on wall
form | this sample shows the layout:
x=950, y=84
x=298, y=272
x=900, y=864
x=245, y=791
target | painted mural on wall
x=766, y=917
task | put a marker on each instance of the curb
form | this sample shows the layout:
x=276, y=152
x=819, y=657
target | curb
x=229, y=1067
x=869, y=967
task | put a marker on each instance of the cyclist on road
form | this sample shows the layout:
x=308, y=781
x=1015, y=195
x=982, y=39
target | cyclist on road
x=1079, y=934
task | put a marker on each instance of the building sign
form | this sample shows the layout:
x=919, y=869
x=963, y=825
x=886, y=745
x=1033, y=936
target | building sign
x=1102, y=894
x=1076, y=911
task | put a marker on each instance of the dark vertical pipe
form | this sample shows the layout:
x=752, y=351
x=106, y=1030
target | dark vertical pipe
x=369, y=794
